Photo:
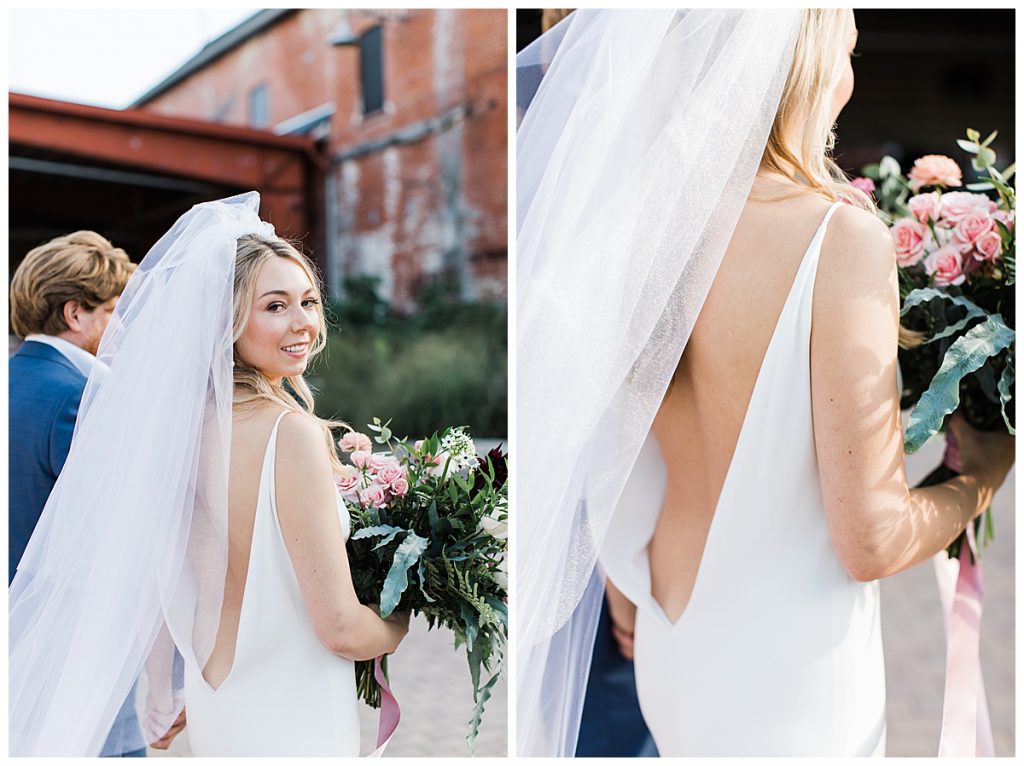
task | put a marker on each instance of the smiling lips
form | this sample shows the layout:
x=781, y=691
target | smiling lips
x=296, y=349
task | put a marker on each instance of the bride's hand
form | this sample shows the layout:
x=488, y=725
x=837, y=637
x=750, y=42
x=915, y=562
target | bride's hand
x=623, y=615
x=987, y=455
x=165, y=741
x=398, y=622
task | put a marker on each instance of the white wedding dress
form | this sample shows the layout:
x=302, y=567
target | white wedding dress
x=779, y=650
x=286, y=693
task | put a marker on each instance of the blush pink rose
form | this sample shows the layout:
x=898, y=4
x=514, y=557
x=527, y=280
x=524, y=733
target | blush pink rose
x=934, y=170
x=354, y=441
x=378, y=461
x=375, y=495
x=988, y=246
x=348, y=479
x=969, y=228
x=911, y=238
x=389, y=473
x=866, y=185
x=1006, y=216
x=945, y=266
x=924, y=206
x=956, y=205
x=361, y=458
x=436, y=463
x=400, y=486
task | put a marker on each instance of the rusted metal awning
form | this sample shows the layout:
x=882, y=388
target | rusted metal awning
x=129, y=174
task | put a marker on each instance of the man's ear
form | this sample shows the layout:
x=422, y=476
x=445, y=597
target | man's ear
x=70, y=314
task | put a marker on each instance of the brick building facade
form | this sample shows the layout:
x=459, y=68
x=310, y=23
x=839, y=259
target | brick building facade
x=410, y=111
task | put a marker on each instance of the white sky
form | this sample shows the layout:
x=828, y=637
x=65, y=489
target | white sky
x=106, y=57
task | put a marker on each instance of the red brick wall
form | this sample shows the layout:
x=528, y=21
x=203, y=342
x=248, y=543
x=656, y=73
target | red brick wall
x=410, y=210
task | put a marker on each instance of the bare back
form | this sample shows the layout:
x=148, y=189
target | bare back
x=250, y=433
x=699, y=422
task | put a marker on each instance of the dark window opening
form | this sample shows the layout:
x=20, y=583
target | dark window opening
x=371, y=69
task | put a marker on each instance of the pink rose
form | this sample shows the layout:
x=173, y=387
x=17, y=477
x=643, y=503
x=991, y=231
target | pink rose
x=945, y=266
x=955, y=205
x=389, y=473
x=379, y=460
x=866, y=185
x=375, y=495
x=924, y=206
x=934, y=170
x=1006, y=216
x=361, y=458
x=988, y=246
x=969, y=228
x=347, y=480
x=400, y=486
x=354, y=441
x=911, y=237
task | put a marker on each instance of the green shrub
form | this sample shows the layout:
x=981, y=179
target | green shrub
x=445, y=365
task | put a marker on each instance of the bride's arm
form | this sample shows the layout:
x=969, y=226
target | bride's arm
x=307, y=509
x=878, y=525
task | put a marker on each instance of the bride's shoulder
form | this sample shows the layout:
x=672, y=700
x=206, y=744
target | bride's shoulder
x=301, y=436
x=857, y=252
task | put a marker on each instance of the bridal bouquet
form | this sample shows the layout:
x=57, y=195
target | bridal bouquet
x=956, y=255
x=429, y=534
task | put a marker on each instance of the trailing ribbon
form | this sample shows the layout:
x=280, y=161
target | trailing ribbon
x=390, y=713
x=966, y=729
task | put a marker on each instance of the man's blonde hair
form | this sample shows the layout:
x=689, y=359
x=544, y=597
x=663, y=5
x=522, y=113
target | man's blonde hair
x=82, y=266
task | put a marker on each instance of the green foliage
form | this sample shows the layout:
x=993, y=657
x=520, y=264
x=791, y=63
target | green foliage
x=448, y=363
x=967, y=354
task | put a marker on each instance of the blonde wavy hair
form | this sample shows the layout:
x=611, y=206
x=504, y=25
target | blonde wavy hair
x=82, y=266
x=251, y=385
x=802, y=135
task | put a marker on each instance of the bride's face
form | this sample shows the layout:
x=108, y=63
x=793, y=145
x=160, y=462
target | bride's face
x=845, y=88
x=283, y=322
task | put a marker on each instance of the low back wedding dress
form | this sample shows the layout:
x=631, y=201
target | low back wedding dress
x=779, y=650
x=286, y=693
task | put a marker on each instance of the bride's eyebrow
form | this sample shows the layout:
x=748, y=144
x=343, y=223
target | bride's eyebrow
x=284, y=292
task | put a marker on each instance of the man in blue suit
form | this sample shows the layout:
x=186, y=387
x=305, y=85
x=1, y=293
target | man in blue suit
x=62, y=296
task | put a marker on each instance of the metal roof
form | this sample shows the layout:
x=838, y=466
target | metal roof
x=215, y=49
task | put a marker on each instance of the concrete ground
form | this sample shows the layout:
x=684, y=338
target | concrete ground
x=912, y=632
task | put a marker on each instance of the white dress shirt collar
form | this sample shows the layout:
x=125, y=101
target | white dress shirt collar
x=79, y=357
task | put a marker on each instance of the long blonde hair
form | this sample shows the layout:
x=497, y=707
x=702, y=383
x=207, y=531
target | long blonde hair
x=802, y=135
x=251, y=386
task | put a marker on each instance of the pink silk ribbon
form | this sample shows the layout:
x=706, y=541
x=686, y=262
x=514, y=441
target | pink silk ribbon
x=966, y=728
x=390, y=713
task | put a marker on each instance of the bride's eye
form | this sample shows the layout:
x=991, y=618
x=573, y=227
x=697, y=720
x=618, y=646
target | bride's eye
x=310, y=302
x=275, y=306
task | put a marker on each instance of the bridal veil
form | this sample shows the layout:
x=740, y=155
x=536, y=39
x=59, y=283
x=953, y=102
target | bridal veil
x=640, y=135
x=127, y=563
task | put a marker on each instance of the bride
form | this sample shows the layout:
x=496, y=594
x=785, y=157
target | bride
x=195, y=532
x=708, y=401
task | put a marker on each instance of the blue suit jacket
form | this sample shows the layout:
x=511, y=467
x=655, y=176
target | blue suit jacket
x=45, y=391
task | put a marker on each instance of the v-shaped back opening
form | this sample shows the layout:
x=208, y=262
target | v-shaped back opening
x=807, y=261
x=267, y=466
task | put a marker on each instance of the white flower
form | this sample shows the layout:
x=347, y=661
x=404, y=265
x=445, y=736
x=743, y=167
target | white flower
x=458, y=444
x=501, y=575
x=492, y=524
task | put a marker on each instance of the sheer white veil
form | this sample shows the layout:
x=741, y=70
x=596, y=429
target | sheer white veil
x=640, y=135
x=127, y=562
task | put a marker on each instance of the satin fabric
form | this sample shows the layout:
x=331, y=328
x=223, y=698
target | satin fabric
x=779, y=650
x=286, y=693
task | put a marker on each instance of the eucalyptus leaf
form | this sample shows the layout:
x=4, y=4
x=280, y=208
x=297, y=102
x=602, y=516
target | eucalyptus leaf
x=973, y=134
x=387, y=531
x=888, y=167
x=422, y=573
x=964, y=356
x=980, y=187
x=991, y=138
x=397, y=580
x=1006, y=390
x=968, y=146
